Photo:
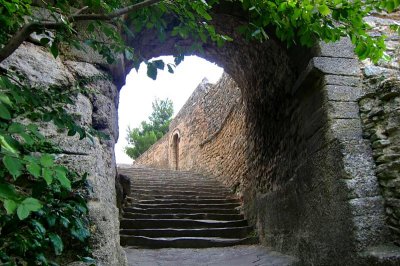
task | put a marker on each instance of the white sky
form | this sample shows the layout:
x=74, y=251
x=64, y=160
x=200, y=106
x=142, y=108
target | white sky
x=140, y=91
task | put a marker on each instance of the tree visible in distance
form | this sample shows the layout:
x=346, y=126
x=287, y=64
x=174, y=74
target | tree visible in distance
x=141, y=138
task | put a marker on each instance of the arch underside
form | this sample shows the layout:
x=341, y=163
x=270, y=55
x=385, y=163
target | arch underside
x=299, y=189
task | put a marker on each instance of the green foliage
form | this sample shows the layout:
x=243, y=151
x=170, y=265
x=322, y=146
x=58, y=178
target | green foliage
x=304, y=22
x=42, y=203
x=147, y=134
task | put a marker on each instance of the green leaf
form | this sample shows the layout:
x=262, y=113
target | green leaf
x=324, y=10
x=57, y=243
x=61, y=176
x=41, y=258
x=7, y=143
x=7, y=192
x=47, y=175
x=4, y=112
x=54, y=50
x=51, y=220
x=34, y=169
x=44, y=41
x=80, y=232
x=13, y=165
x=159, y=64
x=64, y=221
x=5, y=99
x=28, y=139
x=10, y=206
x=170, y=69
x=16, y=128
x=151, y=71
x=27, y=206
x=282, y=7
x=39, y=227
x=47, y=160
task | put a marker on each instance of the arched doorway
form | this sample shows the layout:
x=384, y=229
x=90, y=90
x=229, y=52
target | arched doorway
x=175, y=151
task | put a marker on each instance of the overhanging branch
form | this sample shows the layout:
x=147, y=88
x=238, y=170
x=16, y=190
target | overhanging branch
x=29, y=28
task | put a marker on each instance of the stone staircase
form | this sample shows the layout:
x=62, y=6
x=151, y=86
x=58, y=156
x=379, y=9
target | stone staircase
x=176, y=209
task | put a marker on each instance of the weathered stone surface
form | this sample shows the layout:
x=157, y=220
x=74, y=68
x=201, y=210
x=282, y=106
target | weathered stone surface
x=123, y=188
x=95, y=156
x=39, y=66
x=343, y=93
x=337, y=66
x=342, y=80
x=373, y=71
x=378, y=111
x=234, y=256
x=342, y=48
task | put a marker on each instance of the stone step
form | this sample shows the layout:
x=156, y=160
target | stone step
x=179, y=210
x=178, y=223
x=196, y=216
x=232, y=232
x=187, y=188
x=169, y=209
x=167, y=177
x=178, y=197
x=184, y=242
x=147, y=177
x=177, y=192
x=186, y=206
x=188, y=201
x=177, y=186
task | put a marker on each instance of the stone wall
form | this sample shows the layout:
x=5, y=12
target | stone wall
x=381, y=118
x=97, y=110
x=211, y=130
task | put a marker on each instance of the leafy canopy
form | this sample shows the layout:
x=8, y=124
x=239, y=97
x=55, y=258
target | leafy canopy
x=141, y=138
x=294, y=22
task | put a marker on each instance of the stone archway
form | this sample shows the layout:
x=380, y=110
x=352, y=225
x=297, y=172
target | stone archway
x=301, y=187
x=308, y=183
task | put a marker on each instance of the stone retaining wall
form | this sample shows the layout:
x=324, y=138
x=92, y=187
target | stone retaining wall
x=380, y=115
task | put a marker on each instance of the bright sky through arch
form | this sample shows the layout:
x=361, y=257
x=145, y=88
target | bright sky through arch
x=140, y=91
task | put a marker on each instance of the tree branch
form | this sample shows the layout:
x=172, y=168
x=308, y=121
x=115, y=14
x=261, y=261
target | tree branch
x=29, y=28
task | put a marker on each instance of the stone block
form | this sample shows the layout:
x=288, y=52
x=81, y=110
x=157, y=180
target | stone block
x=337, y=66
x=352, y=81
x=345, y=110
x=367, y=206
x=342, y=48
x=346, y=129
x=343, y=93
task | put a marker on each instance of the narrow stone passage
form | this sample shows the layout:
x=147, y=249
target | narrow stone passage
x=180, y=218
